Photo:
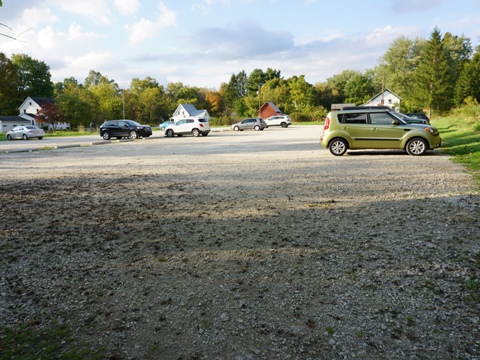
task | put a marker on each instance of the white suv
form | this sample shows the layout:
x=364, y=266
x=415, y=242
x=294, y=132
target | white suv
x=279, y=120
x=196, y=127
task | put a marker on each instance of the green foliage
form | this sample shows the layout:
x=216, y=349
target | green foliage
x=221, y=121
x=10, y=97
x=35, y=77
x=434, y=79
x=397, y=66
x=468, y=84
x=460, y=134
x=358, y=89
x=35, y=342
x=77, y=111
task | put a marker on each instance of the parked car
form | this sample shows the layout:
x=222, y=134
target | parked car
x=25, y=132
x=250, y=123
x=124, y=129
x=279, y=120
x=376, y=129
x=195, y=127
x=165, y=124
x=410, y=120
x=420, y=116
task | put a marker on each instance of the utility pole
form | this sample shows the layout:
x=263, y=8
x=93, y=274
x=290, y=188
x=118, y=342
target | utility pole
x=123, y=102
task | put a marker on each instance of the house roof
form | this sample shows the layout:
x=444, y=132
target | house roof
x=38, y=100
x=191, y=110
x=42, y=100
x=272, y=105
x=380, y=94
x=12, y=118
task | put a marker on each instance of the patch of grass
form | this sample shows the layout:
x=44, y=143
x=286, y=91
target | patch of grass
x=31, y=341
x=308, y=122
x=62, y=133
x=330, y=330
x=461, y=139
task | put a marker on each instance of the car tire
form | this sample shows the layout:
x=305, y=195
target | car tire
x=119, y=137
x=236, y=128
x=284, y=125
x=195, y=132
x=416, y=147
x=257, y=128
x=25, y=137
x=40, y=137
x=133, y=135
x=106, y=136
x=338, y=147
x=9, y=137
x=169, y=133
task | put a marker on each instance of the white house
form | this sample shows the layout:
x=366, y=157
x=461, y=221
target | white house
x=387, y=98
x=184, y=111
x=7, y=123
x=31, y=107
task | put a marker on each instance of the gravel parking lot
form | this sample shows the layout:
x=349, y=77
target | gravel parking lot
x=242, y=245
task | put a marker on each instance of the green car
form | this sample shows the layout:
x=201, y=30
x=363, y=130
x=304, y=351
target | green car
x=376, y=129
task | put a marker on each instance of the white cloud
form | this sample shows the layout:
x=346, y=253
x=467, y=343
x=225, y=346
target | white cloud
x=127, y=7
x=98, y=10
x=145, y=29
x=414, y=6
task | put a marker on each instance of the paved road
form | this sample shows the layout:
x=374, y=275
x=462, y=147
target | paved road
x=57, y=142
x=90, y=140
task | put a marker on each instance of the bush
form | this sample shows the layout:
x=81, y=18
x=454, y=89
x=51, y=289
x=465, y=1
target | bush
x=314, y=116
x=220, y=121
x=469, y=112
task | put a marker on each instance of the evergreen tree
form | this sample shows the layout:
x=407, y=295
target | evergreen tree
x=468, y=84
x=434, y=86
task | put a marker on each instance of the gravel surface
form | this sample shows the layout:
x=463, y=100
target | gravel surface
x=249, y=245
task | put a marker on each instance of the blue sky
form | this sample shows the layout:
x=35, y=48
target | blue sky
x=203, y=42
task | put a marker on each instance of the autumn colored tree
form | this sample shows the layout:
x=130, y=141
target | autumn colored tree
x=49, y=114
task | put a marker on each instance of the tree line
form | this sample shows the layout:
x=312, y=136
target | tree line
x=437, y=74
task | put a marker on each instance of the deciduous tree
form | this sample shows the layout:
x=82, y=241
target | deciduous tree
x=9, y=85
x=35, y=77
x=49, y=114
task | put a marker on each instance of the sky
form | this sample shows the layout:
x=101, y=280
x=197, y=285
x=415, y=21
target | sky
x=203, y=42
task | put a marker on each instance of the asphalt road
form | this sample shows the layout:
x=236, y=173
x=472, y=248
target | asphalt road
x=280, y=134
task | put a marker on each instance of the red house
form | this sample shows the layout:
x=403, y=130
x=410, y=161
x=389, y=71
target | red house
x=269, y=109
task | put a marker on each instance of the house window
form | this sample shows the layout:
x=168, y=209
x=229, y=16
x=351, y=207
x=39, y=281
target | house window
x=24, y=111
x=389, y=101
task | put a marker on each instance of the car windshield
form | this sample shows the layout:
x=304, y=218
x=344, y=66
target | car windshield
x=202, y=120
x=31, y=127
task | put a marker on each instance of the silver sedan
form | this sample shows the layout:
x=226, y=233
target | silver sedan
x=25, y=132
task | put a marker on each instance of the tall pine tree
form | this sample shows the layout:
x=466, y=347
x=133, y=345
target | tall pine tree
x=434, y=84
x=468, y=84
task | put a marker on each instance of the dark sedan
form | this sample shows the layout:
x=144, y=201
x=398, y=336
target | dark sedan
x=124, y=129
